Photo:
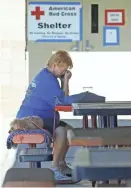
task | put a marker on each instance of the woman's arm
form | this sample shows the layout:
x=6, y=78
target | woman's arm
x=65, y=82
x=66, y=88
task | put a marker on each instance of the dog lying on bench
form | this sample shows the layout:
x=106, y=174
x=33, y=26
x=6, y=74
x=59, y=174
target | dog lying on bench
x=27, y=123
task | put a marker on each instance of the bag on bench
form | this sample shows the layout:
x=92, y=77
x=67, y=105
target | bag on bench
x=26, y=123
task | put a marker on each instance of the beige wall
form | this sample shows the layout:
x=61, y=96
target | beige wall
x=96, y=40
x=13, y=68
x=39, y=52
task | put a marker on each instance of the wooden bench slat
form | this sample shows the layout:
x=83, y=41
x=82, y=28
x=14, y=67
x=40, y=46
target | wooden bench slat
x=103, y=132
x=28, y=139
x=100, y=136
x=35, y=155
x=26, y=177
x=63, y=108
x=28, y=184
x=100, y=142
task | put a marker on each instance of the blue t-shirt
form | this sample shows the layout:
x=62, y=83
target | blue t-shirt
x=42, y=95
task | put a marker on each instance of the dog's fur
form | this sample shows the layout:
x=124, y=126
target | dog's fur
x=26, y=123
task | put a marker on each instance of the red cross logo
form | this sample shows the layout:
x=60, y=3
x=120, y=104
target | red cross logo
x=37, y=13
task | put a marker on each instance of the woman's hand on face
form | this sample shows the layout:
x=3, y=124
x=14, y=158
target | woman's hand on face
x=68, y=75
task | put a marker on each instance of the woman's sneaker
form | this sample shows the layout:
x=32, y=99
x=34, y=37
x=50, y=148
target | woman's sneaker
x=65, y=169
x=59, y=175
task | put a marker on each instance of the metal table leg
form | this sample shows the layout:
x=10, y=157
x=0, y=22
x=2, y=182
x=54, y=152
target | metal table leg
x=85, y=121
x=102, y=122
x=94, y=121
x=34, y=164
x=112, y=121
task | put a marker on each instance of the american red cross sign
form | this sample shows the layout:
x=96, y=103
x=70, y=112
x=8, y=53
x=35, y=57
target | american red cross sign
x=54, y=21
x=37, y=13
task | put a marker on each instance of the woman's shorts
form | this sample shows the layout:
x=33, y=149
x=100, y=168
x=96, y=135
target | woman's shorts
x=49, y=124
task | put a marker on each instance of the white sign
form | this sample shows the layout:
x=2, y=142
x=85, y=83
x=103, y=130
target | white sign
x=54, y=21
x=111, y=36
x=114, y=17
